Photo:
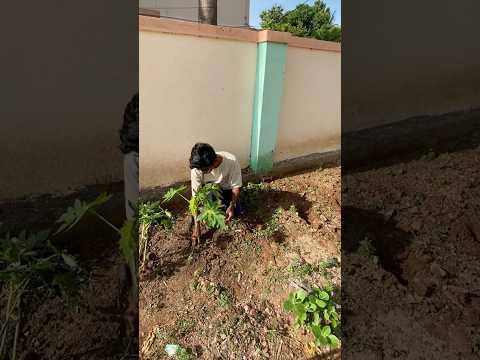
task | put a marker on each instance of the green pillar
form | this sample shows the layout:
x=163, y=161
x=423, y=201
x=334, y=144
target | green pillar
x=271, y=59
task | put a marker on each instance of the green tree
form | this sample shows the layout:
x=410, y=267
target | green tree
x=315, y=21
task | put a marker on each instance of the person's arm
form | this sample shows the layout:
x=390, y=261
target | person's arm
x=236, y=184
x=233, y=203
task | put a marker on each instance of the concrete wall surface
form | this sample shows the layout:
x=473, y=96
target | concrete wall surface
x=198, y=84
x=403, y=59
x=192, y=90
x=67, y=87
x=311, y=109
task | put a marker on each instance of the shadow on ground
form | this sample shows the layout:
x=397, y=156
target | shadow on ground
x=261, y=203
x=389, y=243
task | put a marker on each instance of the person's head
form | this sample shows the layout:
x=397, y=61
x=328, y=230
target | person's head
x=202, y=157
x=131, y=111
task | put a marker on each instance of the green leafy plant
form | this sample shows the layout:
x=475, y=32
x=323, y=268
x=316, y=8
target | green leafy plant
x=205, y=206
x=29, y=262
x=76, y=212
x=128, y=244
x=150, y=213
x=317, y=312
x=128, y=233
x=211, y=215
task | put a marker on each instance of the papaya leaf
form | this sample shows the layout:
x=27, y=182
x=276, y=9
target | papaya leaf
x=173, y=193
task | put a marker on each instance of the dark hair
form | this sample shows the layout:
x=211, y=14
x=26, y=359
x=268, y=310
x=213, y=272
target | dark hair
x=129, y=130
x=202, y=156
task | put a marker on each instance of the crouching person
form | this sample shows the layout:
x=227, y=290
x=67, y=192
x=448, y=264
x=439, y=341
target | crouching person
x=222, y=168
x=129, y=147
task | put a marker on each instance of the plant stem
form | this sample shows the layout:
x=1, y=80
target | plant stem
x=134, y=281
x=7, y=318
x=105, y=221
x=14, y=300
x=184, y=198
x=17, y=331
x=9, y=301
x=145, y=240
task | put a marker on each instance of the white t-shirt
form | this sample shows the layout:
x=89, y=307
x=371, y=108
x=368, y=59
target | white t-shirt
x=228, y=174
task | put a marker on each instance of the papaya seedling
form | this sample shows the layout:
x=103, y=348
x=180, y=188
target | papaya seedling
x=205, y=206
x=29, y=262
x=150, y=214
x=316, y=311
x=128, y=233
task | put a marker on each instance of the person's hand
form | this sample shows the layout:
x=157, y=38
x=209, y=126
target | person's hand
x=229, y=213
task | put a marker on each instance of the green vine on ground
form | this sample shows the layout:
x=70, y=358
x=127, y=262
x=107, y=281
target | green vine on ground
x=316, y=311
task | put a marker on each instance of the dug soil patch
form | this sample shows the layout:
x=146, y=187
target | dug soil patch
x=224, y=300
x=410, y=262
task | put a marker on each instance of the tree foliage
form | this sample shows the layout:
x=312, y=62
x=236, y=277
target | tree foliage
x=314, y=21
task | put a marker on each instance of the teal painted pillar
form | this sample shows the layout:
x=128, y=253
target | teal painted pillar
x=271, y=58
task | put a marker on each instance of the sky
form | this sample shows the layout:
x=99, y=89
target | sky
x=257, y=6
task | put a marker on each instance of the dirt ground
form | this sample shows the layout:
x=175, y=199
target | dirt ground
x=87, y=325
x=224, y=300
x=411, y=243
x=90, y=324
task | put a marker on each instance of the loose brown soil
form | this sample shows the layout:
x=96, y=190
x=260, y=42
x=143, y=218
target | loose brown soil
x=90, y=324
x=87, y=325
x=410, y=265
x=224, y=300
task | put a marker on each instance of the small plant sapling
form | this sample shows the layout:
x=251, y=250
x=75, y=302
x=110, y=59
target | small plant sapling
x=150, y=213
x=317, y=312
x=205, y=206
x=128, y=233
x=29, y=262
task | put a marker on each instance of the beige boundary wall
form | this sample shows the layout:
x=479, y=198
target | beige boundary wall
x=197, y=83
x=310, y=118
x=62, y=109
x=428, y=65
x=192, y=90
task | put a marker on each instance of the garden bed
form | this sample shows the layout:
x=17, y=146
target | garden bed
x=412, y=242
x=225, y=299
x=88, y=322
x=88, y=325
